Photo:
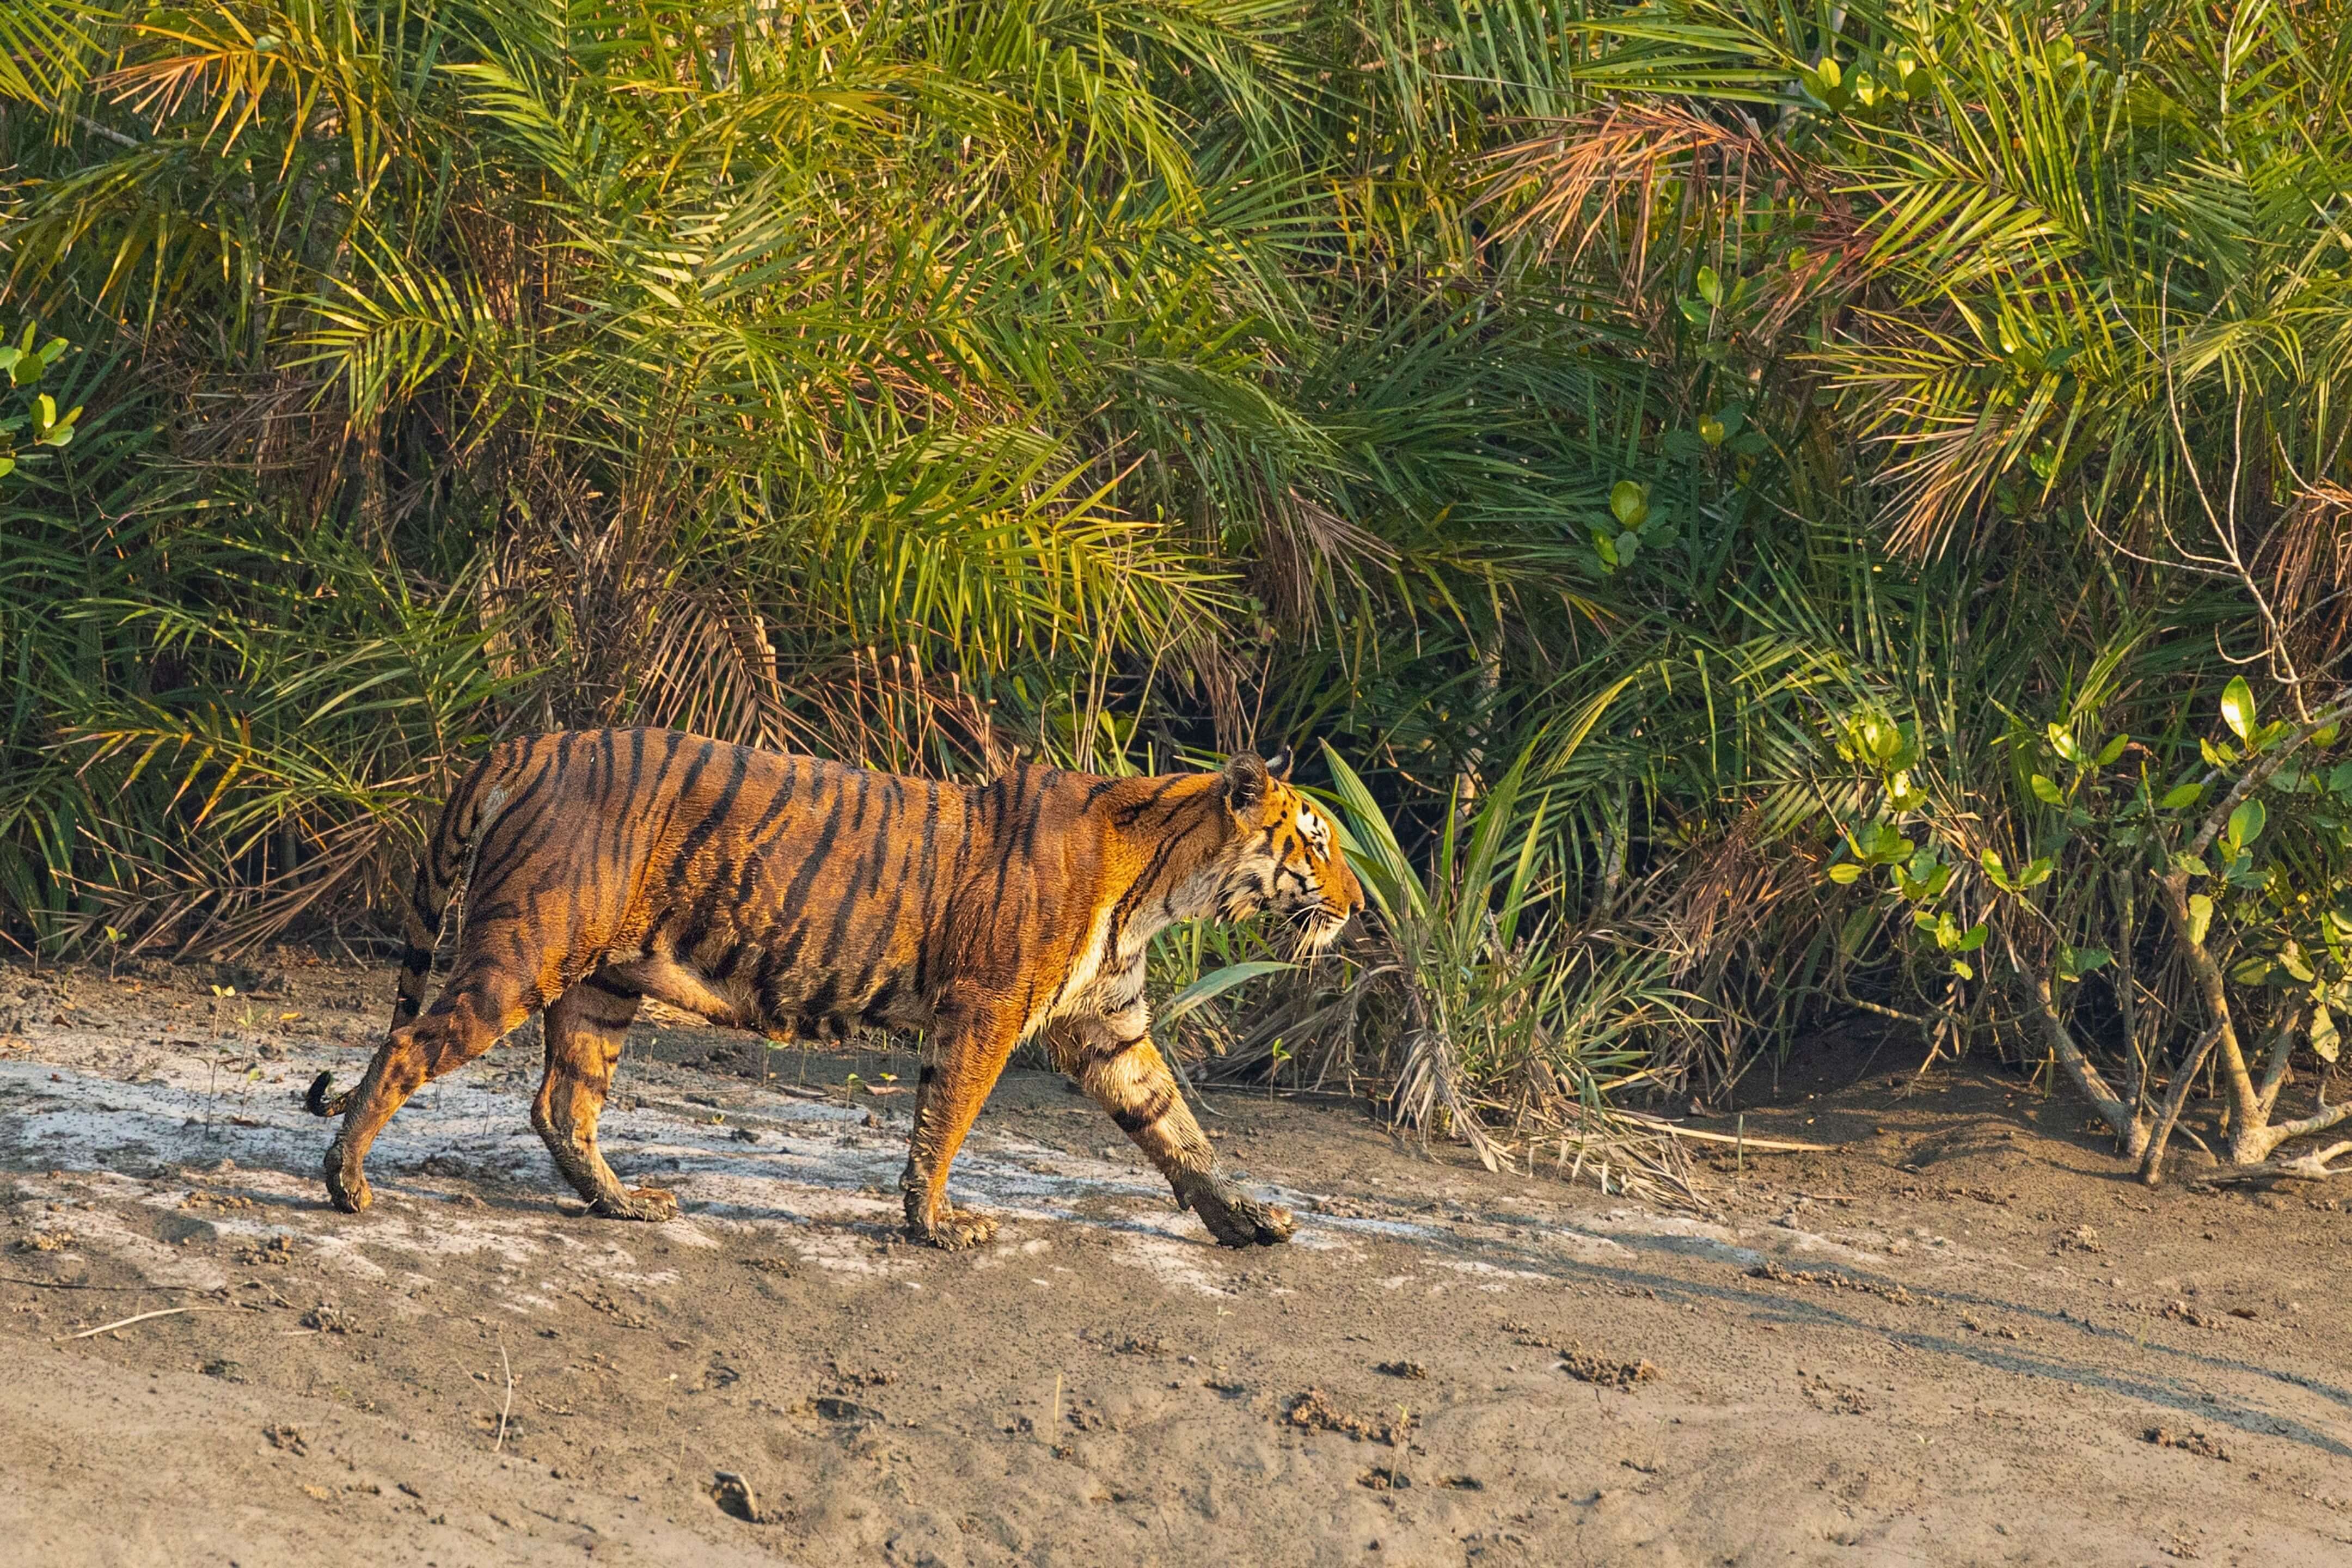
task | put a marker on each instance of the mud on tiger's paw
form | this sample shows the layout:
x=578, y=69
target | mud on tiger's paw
x=347, y=1185
x=952, y=1229
x=652, y=1203
x=1235, y=1218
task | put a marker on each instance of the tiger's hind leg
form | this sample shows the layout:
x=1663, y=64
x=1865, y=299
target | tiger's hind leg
x=585, y=1028
x=1121, y=1071
x=482, y=1003
x=952, y=1088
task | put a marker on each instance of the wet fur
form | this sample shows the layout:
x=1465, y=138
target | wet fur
x=804, y=899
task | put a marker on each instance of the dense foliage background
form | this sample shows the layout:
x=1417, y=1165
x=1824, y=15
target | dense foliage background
x=1763, y=502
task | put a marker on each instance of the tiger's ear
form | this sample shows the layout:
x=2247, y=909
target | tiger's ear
x=1278, y=766
x=1245, y=782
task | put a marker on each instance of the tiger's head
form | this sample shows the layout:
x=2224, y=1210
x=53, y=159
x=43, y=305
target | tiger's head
x=1283, y=856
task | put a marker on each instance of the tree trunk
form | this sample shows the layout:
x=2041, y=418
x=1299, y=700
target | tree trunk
x=2129, y=1122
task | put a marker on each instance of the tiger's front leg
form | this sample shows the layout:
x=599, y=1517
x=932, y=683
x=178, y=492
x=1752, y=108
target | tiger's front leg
x=1115, y=1063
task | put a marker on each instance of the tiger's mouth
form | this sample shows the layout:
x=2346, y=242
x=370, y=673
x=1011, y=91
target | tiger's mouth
x=1319, y=925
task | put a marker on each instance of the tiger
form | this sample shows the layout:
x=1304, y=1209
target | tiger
x=802, y=898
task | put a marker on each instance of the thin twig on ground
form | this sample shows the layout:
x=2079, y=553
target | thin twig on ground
x=142, y=1317
x=1742, y=1142
x=504, y=1410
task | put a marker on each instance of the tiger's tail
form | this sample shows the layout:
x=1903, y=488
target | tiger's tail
x=438, y=870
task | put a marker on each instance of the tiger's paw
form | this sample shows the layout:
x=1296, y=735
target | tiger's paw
x=953, y=1229
x=1235, y=1218
x=651, y=1204
x=347, y=1185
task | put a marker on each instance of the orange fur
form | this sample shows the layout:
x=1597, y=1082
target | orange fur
x=803, y=898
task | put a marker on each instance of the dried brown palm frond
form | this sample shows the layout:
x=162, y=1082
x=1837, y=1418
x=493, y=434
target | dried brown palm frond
x=203, y=896
x=1626, y=1155
x=1920, y=393
x=2305, y=567
x=1201, y=653
x=708, y=666
x=885, y=711
x=1828, y=263
x=1574, y=176
x=1726, y=911
x=1679, y=169
x=1727, y=886
x=1309, y=549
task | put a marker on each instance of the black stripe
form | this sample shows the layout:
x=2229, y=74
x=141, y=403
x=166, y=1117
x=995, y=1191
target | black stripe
x=841, y=915
x=1141, y=887
x=1128, y=816
x=1133, y=1121
x=716, y=817
x=466, y=836
x=765, y=999
x=930, y=830
x=618, y=805
x=647, y=790
x=778, y=804
x=671, y=798
x=601, y=982
x=930, y=879
x=459, y=819
x=487, y=870
x=724, y=966
x=851, y=895
x=875, y=1006
x=879, y=954
x=796, y=894
x=613, y=808
x=658, y=788
x=817, y=1011
x=1008, y=842
x=871, y=874
x=1119, y=1048
x=420, y=900
x=515, y=841
x=595, y=780
x=1029, y=828
x=701, y=916
x=755, y=859
x=951, y=888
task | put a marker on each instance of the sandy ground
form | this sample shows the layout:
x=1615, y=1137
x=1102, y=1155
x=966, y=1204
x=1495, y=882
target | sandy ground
x=1948, y=1343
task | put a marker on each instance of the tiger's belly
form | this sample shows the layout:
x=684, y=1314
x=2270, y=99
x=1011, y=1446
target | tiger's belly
x=744, y=988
